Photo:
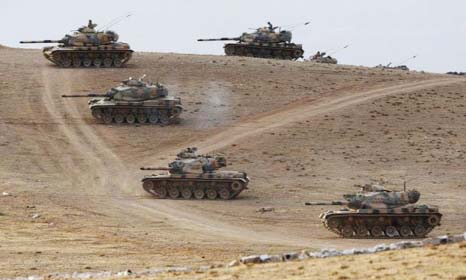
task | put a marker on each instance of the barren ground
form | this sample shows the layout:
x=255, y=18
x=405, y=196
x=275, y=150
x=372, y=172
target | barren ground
x=302, y=132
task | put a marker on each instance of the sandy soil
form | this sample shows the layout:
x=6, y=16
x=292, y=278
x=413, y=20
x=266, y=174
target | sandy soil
x=435, y=262
x=302, y=131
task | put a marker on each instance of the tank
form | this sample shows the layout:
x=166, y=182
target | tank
x=389, y=66
x=195, y=177
x=323, y=58
x=265, y=42
x=87, y=47
x=380, y=213
x=134, y=101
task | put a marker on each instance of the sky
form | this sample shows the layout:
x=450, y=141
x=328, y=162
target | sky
x=377, y=32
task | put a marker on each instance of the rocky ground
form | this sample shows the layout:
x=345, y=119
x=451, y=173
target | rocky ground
x=302, y=131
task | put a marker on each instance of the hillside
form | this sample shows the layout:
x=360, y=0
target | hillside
x=302, y=131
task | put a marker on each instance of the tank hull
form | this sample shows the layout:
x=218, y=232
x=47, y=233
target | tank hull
x=161, y=112
x=112, y=55
x=326, y=60
x=403, y=222
x=203, y=186
x=287, y=51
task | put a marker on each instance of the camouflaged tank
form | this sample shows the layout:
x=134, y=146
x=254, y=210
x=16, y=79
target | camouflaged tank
x=87, y=47
x=380, y=213
x=265, y=42
x=135, y=100
x=323, y=58
x=389, y=67
x=195, y=176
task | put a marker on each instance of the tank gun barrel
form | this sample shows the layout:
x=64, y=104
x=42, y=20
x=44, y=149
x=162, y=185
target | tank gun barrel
x=156, y=168
x=83, y=95
x=220, y=39
x=326, y=203
x=41, y=42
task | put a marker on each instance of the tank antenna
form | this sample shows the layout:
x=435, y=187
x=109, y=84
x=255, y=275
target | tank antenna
x=292, y=27
x=406, y=60
x=115, y=21
x=340, y=49
x=404, y=185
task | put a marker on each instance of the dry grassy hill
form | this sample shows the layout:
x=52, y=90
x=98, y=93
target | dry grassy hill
x=302, y=131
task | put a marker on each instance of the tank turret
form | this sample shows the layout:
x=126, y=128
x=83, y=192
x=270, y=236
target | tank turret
x=375, y=200
x=190, y=152
x=87, y=47
x=322, y=57
x=380, y=213
x=195, y=176
x=265, y=42
x=134, y=100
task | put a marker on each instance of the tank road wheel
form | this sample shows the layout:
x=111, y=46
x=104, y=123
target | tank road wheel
x=107, y=62
x=119, y=118
x=164, y=119
x=360, y=231
x=433, y=220
x=419, y=230
x=96, y=113
x=175, y=112
x=173, y=192
x=199, y=193
x=229, y=50
x=97, y=62
x=211, y=193
x=390, y=231
x=347, y=231
x=224, y=193
x=117, y=61
x=66, y=61
x=148, y=186
x=77, y=62
x=405, y=231
x=333, y=223
x=376, y=231
x=87, y=62
x=141, y=118
x=130, y=118
x=236, y=186
x=107, y=118
x=160, y=191
x=297, y=54
x=153, y=118
x=186, y=193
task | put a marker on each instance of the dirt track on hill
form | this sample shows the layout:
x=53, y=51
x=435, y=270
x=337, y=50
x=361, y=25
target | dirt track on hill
x=83, y=178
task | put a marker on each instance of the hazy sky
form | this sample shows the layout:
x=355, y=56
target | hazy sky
x=377, y=31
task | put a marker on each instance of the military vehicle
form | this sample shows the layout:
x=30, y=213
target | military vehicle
x=195, y=176
x=135, y=100
x=87, y=47
x=380, y=213
x=389, y=67
x=321, y=57
x=265, y=42
x=456, y=73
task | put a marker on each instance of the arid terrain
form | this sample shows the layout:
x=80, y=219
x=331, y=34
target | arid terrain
x=301, y=131
x=433, y=262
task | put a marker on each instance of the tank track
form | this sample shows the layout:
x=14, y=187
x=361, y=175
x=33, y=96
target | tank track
x=89, y=58
x=193, y=189
x=276, y=51
x=135, y=114
x=381, y=226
